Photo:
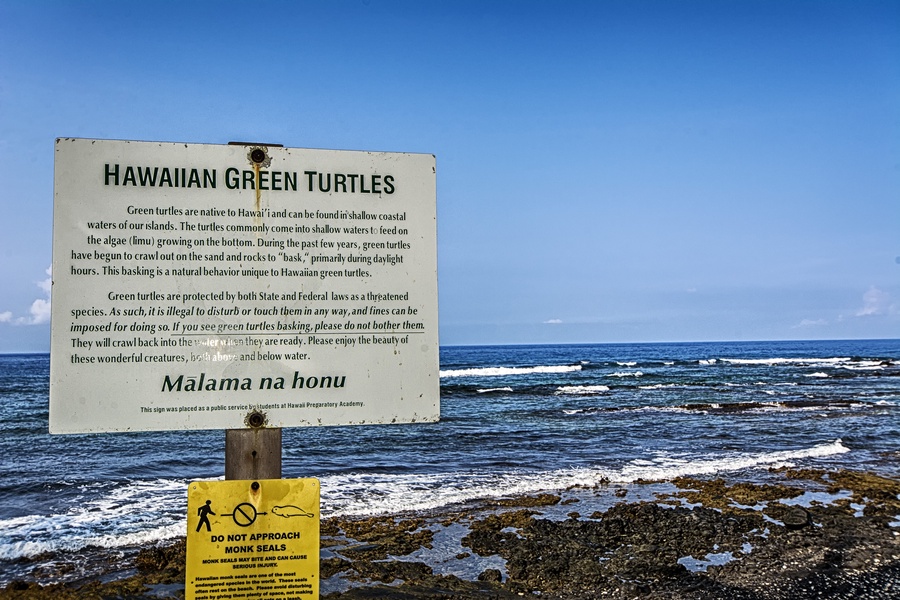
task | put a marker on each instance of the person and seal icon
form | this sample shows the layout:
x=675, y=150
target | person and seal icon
x=247, y=517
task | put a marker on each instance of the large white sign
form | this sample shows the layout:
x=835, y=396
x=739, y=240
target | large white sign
x=195, y=283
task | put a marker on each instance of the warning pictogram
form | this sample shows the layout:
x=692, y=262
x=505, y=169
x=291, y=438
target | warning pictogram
x=244, y=514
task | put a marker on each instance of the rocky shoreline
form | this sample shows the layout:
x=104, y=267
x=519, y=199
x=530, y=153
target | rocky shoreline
x=801, y=534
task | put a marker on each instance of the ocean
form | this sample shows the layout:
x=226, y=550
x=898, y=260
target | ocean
x=514, y=420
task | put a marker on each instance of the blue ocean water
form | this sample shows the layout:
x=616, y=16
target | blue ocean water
x=514, y=419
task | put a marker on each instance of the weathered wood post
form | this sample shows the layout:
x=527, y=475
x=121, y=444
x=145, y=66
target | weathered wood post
x=255, y=452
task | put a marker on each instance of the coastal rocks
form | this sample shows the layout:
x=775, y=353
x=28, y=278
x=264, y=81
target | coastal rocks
x=383, y=537
x=808, y=534
x=795, y=517
x=880, y=496
x=639, y=543
x=491, y=576
x=163, y=564
x=390, y=571
x=716, y=493
x=532, y=501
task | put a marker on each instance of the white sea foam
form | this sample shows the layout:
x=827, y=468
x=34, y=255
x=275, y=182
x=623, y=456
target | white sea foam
x=762, y=407
x=65, y=541
x=500, y=389
x=581, y=389
x=145, y=512
x=863, y=365
x=671, y=468
x=818, y=374
x=785, y=361
x=850, y=364
x=503, y=371
x=626, y=374
x=137, y=513
x=367, y=494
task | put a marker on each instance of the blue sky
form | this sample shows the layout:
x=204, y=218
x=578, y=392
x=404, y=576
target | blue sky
x=607, y=171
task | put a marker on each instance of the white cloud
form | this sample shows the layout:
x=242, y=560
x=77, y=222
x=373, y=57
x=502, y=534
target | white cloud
x=47, y=284
x=810, y=323
x=40, y=312
x=40, y=308
x=553, y=321
x=875, y=302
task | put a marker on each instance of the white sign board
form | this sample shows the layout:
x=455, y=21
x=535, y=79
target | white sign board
x=194, y=283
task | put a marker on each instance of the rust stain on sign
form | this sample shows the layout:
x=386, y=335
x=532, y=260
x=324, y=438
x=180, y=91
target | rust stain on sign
x=259, y=159
x=256, y=185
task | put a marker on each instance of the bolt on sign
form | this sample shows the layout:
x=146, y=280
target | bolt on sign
x=193, y=283
x=252, y=539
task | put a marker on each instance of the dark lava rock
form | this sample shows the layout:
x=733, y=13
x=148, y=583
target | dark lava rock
x=796, y=518
x=491, y=575
x=638, y=543
x=390, y=571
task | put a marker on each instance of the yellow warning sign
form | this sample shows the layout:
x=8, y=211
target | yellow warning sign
x=253, y=539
